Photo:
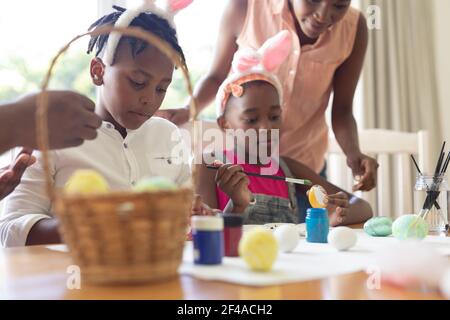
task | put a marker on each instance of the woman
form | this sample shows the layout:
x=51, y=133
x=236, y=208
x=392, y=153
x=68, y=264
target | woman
x=331, y=42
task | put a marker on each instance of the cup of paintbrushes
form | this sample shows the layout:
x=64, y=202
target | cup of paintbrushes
x=434, y=208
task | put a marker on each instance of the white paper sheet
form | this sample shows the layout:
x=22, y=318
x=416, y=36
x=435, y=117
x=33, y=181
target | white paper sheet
x=307, y=262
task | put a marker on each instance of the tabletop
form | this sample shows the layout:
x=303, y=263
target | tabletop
x=42, y=273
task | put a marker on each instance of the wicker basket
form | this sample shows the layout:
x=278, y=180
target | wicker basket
x=121, y=237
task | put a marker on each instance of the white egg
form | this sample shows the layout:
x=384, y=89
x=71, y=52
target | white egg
x=287, y=236
x=342, y=238
x=445, y=285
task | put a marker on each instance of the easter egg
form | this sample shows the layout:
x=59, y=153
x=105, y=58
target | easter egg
x=259, y=249
x=155, y=184
x=317, y=197
x=287, y=236
x=410, y=227
x=342, y=238
x=378, y=227
x=86, y=182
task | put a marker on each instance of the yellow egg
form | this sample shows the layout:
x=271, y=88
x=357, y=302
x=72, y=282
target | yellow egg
x=317, y=197
x=86, y=182
x=259, y=249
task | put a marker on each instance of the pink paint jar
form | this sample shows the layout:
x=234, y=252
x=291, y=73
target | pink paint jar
x=232, y=233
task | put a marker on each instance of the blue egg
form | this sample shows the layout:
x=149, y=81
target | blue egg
x=378, y=227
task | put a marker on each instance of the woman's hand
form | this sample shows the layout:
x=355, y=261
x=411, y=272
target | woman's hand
x=364, y=170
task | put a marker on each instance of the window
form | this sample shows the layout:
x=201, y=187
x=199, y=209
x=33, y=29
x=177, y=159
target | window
x=35, y=36
x=197, y=37
x=32, y=33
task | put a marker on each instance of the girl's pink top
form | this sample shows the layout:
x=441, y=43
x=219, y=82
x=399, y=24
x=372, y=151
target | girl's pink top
x=276, y=188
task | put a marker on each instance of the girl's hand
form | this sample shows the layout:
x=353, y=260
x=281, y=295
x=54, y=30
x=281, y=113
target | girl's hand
x=234, y=182
x=338, y=205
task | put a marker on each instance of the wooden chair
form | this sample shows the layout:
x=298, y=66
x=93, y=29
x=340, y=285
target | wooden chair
x=394, y=195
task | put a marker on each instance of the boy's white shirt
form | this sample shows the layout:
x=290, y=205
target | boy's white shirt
x=155, y=149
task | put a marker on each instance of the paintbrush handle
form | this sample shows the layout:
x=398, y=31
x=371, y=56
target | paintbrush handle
x=292, y=180
x=254, y=174
x=265, y=176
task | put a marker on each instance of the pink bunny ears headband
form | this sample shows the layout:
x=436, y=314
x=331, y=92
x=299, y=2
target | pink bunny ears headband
x=172, y=7
x=250, y=65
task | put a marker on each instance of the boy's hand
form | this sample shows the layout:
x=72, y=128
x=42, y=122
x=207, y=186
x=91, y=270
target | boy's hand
x=338, y=205
x=71, y=120
x=234, y=182
x=10, y=176
x=201, y=209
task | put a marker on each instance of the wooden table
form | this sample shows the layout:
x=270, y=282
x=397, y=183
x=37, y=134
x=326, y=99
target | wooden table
x=41, y=273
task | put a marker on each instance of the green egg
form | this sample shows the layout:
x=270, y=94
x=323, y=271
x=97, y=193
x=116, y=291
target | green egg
x=410, y=227
x=378, y=227
x=155, y=184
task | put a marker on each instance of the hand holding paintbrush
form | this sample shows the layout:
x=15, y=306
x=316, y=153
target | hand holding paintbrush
x=286, y=179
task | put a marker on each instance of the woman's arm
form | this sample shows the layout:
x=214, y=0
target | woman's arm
x=206, y=90
x=359, y=210
x=344, y=85
x=344, y=125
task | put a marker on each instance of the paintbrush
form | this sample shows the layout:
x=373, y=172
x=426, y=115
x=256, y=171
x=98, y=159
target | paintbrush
x=304, y=182
x=420, y=173
x=439, y=172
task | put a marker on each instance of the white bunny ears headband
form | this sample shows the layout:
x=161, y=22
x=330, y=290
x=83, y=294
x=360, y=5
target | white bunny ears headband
x=250, y=65
x=172, y=7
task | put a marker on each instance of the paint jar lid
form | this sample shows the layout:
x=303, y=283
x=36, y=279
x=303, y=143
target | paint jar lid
x=203, y=223
x=233, y=220
x=317, y=212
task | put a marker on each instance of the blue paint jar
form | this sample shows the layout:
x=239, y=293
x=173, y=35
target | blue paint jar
x=207, y=237
x=317, y=225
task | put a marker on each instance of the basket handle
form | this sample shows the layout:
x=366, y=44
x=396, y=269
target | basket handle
x=42, y=102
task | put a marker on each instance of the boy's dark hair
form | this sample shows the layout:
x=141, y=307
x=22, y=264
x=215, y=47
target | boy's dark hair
x=146, y=21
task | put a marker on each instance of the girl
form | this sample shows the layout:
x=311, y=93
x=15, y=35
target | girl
x=132, y=77
x=251, y=99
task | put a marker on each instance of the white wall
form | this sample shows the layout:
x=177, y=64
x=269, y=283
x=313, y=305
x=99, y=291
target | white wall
x=442, y=27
